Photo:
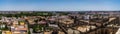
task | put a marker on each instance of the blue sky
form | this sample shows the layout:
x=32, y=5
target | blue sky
x=59, y=5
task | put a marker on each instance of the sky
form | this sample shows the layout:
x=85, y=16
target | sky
x=59, y=5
